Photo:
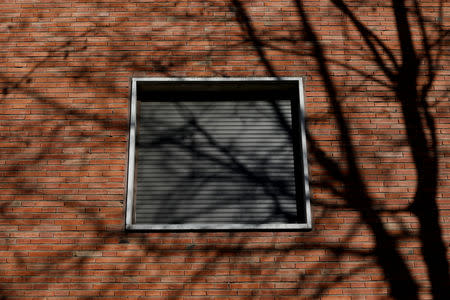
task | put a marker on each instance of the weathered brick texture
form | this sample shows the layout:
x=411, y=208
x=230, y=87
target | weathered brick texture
x=65, y=69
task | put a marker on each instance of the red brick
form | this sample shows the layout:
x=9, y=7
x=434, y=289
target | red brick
x=64, y=88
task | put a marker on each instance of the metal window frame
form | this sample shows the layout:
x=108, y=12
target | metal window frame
x=131, y=178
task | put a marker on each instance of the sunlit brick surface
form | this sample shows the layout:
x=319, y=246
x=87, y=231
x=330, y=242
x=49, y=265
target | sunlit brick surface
x=65, y=69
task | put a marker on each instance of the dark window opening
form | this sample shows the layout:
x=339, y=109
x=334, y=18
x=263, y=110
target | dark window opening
x=217, y=154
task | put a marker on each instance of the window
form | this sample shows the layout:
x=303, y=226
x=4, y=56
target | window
x=217, y=154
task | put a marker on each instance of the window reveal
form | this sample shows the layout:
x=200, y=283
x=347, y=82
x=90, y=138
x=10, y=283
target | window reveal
x=217, y=154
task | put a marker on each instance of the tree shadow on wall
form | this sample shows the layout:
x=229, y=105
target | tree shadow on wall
x=91, y=234
x=407, y=73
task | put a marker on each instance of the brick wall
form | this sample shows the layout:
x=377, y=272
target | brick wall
x=65, y=69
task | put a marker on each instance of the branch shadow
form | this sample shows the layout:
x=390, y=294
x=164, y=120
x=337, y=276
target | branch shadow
x=401, y=77
x=92, y=233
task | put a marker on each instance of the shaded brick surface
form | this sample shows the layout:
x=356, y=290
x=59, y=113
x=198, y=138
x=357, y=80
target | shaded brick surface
x=65, y=69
